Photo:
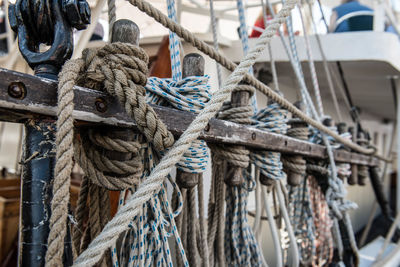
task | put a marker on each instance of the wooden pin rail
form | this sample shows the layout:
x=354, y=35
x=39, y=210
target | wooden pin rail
x=24, y=96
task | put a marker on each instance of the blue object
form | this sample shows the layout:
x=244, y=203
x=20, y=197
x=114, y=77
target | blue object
x=356, y=23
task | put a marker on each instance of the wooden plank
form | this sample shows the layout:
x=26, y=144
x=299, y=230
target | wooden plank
x=41, y=99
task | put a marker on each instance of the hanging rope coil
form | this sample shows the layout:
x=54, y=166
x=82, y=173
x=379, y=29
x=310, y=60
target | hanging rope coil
x=241, y=247
x=188, y=94
x=274, y=119
x=296, y=165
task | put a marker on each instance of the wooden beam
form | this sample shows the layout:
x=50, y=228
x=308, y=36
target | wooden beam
x=40, y=98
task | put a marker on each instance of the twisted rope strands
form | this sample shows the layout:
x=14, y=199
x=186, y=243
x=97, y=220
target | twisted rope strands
x=64, y=163
x=212, y=53
x=271, y=57
x=152, y=184
x=80, y=214
x=311, y=64
x=325, y=64
x=215, y=39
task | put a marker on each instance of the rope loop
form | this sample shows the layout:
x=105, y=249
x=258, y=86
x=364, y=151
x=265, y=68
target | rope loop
x=120, y=69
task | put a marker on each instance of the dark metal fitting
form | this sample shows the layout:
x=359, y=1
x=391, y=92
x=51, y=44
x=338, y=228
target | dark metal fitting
x=253, y=136
x=77, y=13
x=17, y=90
x=101, y=105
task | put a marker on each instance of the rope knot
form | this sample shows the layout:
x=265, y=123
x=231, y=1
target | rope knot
x=120, y=69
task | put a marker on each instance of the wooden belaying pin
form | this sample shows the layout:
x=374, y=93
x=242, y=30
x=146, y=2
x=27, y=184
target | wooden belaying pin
x=341, y=128
x=362, y=169
x=353, y=179
x=234, y=174
x=296, y=178
x=192, y=65
x=124, y=31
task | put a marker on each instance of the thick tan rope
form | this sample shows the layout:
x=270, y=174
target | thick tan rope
x=64, y=163
x=152, y=184
x=211, y=52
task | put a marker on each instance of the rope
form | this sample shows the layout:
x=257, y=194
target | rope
x=216, y=218
x=244, y=36
x=322, y=223
x=189, y=94
x=211, y=52
x=215, y=39
x=64, y=164
x=174, y=43
x=241, y=246
x=311, y=64
x=273, y=67
x=324, y=61
x=152, y=184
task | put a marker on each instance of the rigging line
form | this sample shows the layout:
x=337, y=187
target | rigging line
x=245, y=44
x=271, y=57
x=272, y=224
x=322, y=14
x=354, y=113
x=325, y=64
x=311, y=64
x=394, y=91
x=214, y=26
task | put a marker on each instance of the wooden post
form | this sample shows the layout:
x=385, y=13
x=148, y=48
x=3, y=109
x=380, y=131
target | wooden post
x=193, y=65
x=295, y=179
x=352, y=180
x=124, y=31
x=234, y=175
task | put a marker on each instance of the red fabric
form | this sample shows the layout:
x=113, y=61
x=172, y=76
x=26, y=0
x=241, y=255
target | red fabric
x=260, y=24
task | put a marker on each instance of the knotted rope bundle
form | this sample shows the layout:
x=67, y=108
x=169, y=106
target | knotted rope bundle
x=322, y=224
x=188, y=94
x=274, y=119
x=296, y=165
x=145, y=243
x=120, y=69
x=241, y=247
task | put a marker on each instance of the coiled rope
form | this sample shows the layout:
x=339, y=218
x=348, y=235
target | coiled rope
x=189, y=94
x=241, y=247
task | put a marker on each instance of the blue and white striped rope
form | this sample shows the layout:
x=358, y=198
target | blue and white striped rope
x=273, y=119
x=174, y=44
x=188, y=94
x=245, y=43
x=241, y=246
x=146, y=243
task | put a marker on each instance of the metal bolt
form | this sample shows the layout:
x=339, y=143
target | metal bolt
x=17, y=90
x=253, y=136
x=101, y=105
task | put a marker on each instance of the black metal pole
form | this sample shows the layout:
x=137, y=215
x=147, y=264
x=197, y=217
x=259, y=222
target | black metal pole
x=51, y=24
